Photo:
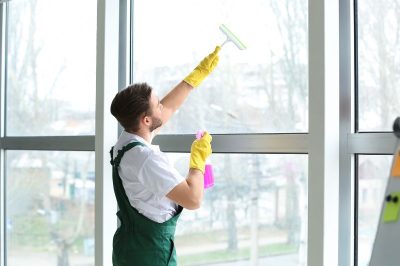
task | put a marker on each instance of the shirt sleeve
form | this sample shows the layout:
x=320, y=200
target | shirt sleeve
x=158, y=175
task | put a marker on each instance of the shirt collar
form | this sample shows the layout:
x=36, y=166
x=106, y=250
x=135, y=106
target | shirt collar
x=128, y=137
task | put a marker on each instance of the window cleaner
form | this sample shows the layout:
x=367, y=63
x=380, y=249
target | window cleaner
x=208, y=172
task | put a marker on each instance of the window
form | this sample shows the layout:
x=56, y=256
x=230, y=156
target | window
x=49, y=105
x=256, y=211
x=373, y=173
x=48, y=80
x=49, y=208
x=376, y=106
x=378, y=64
x=51, y=68
x=261, y=89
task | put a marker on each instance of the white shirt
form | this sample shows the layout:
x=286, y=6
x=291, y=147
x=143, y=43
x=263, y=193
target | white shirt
x=147, y=177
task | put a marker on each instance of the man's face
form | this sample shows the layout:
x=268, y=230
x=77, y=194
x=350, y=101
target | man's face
x=156, y=112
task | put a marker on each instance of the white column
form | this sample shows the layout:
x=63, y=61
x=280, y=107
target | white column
x=323, y=186
x=106, y=128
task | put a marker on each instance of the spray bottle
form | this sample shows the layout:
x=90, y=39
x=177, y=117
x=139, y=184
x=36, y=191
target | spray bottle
x=208, y=172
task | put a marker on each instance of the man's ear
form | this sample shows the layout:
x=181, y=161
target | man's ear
x=146, y=120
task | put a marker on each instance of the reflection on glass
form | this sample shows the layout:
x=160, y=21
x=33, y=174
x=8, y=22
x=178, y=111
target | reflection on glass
x=379, y=64
x=50, y=208
x=373, y=172
x=51, y=67
x=255, y=213
x=261, y=89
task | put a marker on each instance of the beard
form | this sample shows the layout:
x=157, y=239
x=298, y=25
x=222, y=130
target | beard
x=157, y=122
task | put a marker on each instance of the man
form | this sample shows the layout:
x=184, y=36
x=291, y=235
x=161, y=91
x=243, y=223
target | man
x=150, y=192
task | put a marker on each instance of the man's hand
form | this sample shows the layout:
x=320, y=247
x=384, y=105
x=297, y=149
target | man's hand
x=203, y=69
x=199, y=152
x=189, y=193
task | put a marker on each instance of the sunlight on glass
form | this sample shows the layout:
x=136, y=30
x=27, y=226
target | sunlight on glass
x=261, y=89
x=373, y=173
x=256, y=212
x=379, y=64
x=51, y=67
x=50, y=208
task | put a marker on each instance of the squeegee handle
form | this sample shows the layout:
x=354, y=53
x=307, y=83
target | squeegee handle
x=227, y=40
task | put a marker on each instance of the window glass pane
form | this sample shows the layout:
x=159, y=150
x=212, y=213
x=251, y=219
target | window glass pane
x=256, y=211
x=261, y=89
x=51, y=67
x=49, y=208
x=373, y=173
x=379, y=64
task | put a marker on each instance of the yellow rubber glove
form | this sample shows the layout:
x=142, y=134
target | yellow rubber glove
x=205, y=67
x=199, y=152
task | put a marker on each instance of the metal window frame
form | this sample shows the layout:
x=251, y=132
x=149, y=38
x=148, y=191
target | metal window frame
x=347, y=128
x=362, y=143
x=3, y=30
x=56, y=143
x=289, y=143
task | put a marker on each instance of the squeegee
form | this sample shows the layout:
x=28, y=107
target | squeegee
x=230, y=37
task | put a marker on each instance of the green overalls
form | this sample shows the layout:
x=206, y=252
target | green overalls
x=139, y=240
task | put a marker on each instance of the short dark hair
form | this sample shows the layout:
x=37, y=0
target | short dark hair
x=129, y=105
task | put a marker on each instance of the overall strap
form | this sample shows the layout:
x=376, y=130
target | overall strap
x=122, y=199
x=115, y=162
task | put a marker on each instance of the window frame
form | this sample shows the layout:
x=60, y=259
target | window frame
x=112, y=64
x=34, y=143
x=357, y=142
x=322, y=154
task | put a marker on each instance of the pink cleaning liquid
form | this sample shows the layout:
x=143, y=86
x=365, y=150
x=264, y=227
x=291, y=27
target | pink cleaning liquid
x=208, y=172
x=208, y=176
